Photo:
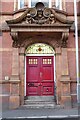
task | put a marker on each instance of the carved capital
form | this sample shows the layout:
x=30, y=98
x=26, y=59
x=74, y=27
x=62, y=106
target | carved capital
x=14, y=36
x=64, y=39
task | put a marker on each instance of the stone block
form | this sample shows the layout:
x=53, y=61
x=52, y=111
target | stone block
x=65, y=89
x=14, y=89
x=14, y=102
x=66, y=101
x=4, y=102
x=4, y=88
x=74, y=100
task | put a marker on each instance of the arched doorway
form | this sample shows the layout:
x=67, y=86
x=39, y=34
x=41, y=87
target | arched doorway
x=40, y=71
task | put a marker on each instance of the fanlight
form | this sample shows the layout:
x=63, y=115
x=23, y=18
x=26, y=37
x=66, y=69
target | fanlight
x=40, y=48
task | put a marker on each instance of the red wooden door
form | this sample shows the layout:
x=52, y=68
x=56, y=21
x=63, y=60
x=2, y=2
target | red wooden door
x=39, y=76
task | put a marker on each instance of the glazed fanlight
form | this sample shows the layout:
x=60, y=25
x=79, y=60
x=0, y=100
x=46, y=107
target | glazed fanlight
x=40, y=48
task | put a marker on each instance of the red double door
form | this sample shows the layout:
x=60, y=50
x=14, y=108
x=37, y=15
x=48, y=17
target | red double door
x=39, y=76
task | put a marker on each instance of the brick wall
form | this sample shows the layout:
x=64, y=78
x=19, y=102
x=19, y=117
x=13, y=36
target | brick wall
x=7, y=6
x=6, y=55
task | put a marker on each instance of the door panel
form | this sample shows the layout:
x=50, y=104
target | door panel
x=47, y=76
x=32, y=76
x=40, y=76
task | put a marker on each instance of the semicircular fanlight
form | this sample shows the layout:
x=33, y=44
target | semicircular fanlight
x=40, y=48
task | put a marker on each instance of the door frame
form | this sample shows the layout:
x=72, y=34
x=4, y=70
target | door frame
x=53, y=55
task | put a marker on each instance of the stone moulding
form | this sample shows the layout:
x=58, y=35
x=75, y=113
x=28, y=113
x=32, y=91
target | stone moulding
x=60, y=43
x=40, y=20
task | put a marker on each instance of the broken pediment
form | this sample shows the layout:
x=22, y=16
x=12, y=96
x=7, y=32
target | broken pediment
x=40, y=20
x=40, y=15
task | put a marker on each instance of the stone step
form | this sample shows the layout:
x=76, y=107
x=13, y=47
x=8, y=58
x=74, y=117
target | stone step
x=39, y=106
x=40, y=98
x=38, y=102
x=25, y=106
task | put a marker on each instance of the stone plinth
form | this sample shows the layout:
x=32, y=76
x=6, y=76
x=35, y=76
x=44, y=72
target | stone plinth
x=14, y=99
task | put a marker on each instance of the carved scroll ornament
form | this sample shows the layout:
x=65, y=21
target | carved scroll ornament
x=14, y=36
x=64, y=39
x=42, y=16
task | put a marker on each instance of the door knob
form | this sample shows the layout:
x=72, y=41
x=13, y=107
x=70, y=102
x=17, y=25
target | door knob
x=47, y=90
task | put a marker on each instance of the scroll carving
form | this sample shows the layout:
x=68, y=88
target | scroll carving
x=64, y=39
x=40, y=17
x=46, y=18
x=14, y=36
x=57, y=43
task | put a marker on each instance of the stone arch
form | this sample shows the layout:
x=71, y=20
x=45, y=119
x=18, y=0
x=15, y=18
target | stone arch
x=45, y=40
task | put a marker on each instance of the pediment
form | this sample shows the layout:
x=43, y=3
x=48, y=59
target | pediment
x=39, y=20
x=40, y=15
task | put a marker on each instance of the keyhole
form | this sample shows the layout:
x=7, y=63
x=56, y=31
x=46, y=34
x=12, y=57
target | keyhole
x=47, y=90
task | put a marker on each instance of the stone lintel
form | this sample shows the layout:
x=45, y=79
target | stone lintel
x=14, y=101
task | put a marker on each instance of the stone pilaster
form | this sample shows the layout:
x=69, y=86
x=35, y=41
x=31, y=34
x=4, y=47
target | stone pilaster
x=58, y=74
x=65, y=80
x=14, y=100
x=22, y=74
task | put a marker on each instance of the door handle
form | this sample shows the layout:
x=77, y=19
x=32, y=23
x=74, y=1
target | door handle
x=30, y=84
x=40, y=74
x=39, y=84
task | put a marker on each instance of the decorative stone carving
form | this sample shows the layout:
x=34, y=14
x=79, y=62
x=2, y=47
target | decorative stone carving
x=64, y=39
x=40, y=15
x=63, y=42
x=41, y=20
x=15, y=39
